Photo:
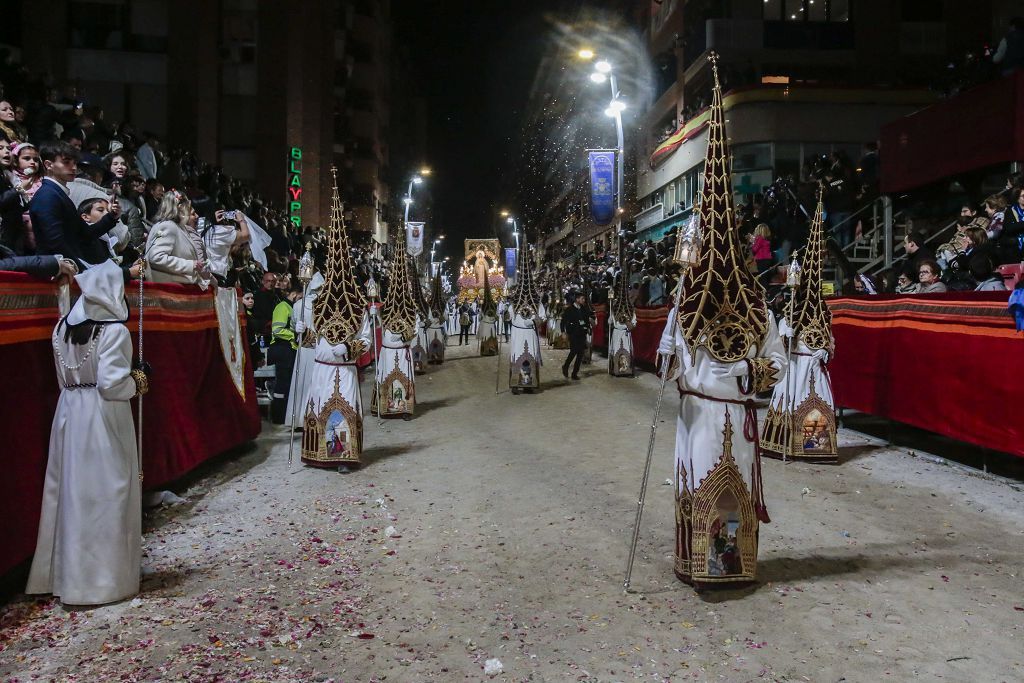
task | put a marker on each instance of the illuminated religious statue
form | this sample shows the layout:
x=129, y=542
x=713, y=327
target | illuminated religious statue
x=480, y=268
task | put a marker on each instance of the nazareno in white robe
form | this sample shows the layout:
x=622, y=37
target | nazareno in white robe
x=436, y=340
x=452, y=320
x=333, y=414
x=524, y=353
x=89, y=547
x=719, y=495
x=620, y=349
x=395, y=390
x=487, y=335
x=419, y=347
x=806, y=427
x=303, y=369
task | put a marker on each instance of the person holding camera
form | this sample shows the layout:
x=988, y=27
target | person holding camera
x=227, y=232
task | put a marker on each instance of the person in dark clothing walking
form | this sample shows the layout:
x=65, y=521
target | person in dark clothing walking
x=465, y=322
x=576, y=324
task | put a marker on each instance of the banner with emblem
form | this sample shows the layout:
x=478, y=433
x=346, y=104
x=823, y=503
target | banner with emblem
x=414, y=238
x=602, y=186
x=510, y=263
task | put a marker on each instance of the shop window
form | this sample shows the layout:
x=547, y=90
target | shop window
x=752, y=156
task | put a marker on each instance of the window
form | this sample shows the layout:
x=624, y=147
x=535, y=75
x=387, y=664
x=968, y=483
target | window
x=752, y=156
x=808, y=10
x=920, y=10
x=97, y=25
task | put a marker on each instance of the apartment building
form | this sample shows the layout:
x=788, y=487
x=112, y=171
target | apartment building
x=275, y=93
x=801, y=79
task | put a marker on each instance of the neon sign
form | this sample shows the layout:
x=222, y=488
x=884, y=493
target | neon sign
x=295, y=186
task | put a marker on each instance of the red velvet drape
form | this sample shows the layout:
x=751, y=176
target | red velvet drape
x=948, y=363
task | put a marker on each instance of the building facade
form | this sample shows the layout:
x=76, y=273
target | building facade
x=801, y=79
x=275, y=93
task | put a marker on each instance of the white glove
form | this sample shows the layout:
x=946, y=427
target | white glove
x=737, y=369
x=300, y=327
x=784, y=329
x=820, y=355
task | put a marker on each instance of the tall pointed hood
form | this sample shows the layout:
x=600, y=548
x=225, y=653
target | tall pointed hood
x=398, y=313
x=724, y=308
x=556, y=306
x=339, y=308
x=436, y=298
x=526, y=300
x=812, y=321
x=489, y=307
x=622, y=307
x=417, y=291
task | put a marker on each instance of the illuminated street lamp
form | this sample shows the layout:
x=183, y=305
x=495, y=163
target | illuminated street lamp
x=603, y=71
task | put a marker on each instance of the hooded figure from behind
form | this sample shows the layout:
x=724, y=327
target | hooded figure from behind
x=88, y=551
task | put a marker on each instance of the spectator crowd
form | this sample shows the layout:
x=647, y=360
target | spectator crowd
x=77, y=189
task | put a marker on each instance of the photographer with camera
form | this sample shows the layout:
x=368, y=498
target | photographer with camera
x=227, y=232
x=839, y=198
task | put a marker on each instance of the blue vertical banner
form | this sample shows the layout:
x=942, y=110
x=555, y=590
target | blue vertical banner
x=510, y=263
x=602, y=187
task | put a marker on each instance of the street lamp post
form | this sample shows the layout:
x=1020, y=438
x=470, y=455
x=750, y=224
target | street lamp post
x=515, y=233
x=603, y=72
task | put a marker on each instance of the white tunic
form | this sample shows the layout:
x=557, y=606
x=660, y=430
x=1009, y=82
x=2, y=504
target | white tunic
x=524, y=353
x=487, y=335
x=620, y=351
x=395, y=391
x=303, y=369
x=712, y=421
x=89, y=547
x=419, y=347
x=807, y=422
x=452, y=327
x=436, y=340
x=333, y=422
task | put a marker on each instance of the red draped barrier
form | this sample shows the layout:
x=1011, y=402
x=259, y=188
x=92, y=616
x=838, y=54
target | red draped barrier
x=650, y=323
x=192, y=412
x=599, y=334
x=948, y=363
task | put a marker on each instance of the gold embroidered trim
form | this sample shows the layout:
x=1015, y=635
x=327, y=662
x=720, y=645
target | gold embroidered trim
x=398, y=312
x=812, y=321
x=724, y=308
x=141, y=382
x=763, y=374
x=526, y=300
x=339, y=307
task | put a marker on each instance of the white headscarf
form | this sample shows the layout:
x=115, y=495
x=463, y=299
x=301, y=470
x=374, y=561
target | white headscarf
x=102, y=298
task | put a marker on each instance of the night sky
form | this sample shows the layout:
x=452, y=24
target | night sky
x=476, y=61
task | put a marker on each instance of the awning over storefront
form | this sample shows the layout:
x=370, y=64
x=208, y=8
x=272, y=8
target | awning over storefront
x=977, y=128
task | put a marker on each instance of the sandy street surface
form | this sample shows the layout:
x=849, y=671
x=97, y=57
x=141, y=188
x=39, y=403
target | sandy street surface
x=496, y=527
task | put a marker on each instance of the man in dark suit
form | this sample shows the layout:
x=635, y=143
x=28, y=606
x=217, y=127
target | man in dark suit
x=39, y=266
x=58, y=227
x=576, y=324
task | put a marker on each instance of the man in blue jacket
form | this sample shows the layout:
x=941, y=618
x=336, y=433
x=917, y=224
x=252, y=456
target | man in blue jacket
x=58, y=227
